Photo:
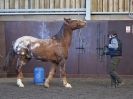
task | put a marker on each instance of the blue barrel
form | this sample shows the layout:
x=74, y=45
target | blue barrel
x=39, y=75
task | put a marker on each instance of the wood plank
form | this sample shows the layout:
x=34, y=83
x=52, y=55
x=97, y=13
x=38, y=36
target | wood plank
x=111, y=5
x=77, y=3
x=105, y=5
x=36, y=4
x=94, y=5
x=26, y=4
x=6, y=4
x=116, y=5
x=131, y=6
x=57, y=3
x=62, y=3
x=121, y=5
x=51, y=3
x=16, y=4
x=12, y=4
x=72, y=4
x=41, y=4
x=126, y=5
x=1, y=4
x=83, y=4
x=67, y=3
x=47, y=4
x=100, y=5
x=21, y=4
x=32, y=4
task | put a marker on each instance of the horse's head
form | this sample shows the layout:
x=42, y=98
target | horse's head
x=74, y=24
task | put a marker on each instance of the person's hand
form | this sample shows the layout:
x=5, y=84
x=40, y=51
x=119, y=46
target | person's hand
x=106, y=46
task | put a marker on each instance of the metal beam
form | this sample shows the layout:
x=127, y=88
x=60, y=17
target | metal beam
x=43, y=10
x=109, y=13
x=88, y=10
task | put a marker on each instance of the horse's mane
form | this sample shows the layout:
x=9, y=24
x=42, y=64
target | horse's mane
x=60, y=34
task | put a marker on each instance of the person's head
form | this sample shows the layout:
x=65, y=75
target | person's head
x=112, y=34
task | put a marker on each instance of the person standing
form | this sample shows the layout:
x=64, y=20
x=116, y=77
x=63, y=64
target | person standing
x=115, y=53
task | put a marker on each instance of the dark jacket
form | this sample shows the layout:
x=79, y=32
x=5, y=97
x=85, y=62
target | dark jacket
x=115, y=52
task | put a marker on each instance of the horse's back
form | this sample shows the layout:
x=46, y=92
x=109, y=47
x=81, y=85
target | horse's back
x=23, y=42
x=30, y=38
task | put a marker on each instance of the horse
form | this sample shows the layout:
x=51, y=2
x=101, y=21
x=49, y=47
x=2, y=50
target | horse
x=53, y=49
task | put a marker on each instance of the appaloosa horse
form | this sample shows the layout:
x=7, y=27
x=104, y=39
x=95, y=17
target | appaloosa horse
x=54, y=50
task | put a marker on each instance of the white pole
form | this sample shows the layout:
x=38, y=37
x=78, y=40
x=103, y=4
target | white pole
x=88, y=10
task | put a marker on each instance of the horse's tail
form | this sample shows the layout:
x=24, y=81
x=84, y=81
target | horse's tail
x=8, y=60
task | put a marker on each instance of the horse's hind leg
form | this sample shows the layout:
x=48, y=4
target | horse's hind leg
x=19, y=77
x=21, y=61
x=50, y=76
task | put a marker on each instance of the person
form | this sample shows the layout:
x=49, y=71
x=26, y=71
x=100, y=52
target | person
x=115, y=52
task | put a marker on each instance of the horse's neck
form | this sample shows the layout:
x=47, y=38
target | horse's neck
x=66, y=35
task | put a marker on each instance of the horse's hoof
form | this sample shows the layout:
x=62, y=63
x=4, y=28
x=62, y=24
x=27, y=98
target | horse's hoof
x=68, y=85
x=46, y=85
x=21, y=86
x=19, y=83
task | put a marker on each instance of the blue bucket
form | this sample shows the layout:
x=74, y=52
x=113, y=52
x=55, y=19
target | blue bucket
x=39, y=75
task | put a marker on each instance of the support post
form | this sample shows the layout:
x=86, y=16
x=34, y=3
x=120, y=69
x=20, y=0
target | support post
x=88, y=10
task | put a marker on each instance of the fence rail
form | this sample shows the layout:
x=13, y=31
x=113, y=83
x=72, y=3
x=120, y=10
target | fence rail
x=66, y=7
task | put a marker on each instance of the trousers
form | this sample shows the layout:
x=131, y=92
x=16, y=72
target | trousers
x=114, y=62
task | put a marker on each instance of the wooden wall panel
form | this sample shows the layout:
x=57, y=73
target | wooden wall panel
x=62, y=3
x=88, y=62
x=105, y=5
x=6, y=4
x=41, y=3
x=126, y=2
x=68, y=3
x=33, y=4
x=82, y=3
x=94, y=5
x=100, y=5
x=110, y=5
x=116, y=5
x=2, y=48
x=16, y=4
x=12, y=4
x=72, y=4
x=77, y=3
x=37, y=4
x=26, y=4
x=126, y=63
x=57, y=3
x=47, y=4
x=1, y=4
x=52, y=3
x=121, y=5
x=22, y=4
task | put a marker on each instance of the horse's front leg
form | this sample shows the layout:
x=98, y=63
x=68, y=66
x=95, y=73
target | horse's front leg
x=50, y=76
x=64, y=75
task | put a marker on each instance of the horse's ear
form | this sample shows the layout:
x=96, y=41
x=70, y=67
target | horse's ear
x=67, y=20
